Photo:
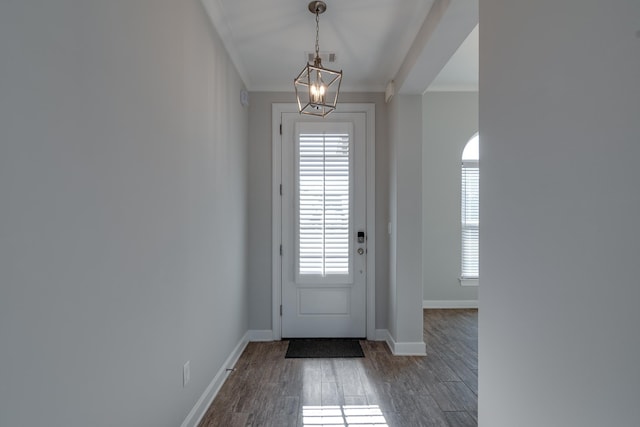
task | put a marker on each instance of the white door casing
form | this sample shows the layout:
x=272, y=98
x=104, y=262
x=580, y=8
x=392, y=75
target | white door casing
x=323, y=289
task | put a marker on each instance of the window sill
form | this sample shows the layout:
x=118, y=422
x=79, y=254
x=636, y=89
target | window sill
x=466, y=281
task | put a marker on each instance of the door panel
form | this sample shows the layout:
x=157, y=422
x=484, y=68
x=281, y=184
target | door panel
x=324, y=206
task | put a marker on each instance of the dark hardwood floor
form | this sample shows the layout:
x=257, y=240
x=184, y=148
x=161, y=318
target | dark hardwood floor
x=380, y=389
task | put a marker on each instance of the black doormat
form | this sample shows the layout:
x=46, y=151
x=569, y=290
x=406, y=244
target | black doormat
x=323, y=348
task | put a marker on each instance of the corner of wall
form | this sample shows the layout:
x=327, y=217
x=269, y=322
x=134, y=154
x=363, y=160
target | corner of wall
x=202, y=405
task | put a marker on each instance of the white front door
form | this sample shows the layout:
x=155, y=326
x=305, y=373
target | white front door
x=324, y=252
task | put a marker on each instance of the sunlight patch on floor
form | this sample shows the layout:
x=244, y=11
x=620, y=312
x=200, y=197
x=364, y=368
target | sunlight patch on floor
x=343, y=416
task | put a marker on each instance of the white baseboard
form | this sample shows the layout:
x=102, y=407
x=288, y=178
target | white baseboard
x=408, y=348
x=260, y=335
x=450, y=304
x=200, y=408
x=401, y=348
x=384, y=335
x=381, y=335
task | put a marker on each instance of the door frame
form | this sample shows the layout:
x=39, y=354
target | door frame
x=277, y=109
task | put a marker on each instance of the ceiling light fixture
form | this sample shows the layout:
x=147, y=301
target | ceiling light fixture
x=317, y=87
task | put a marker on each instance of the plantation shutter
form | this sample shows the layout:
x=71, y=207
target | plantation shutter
x=470, y=219
x=324, y=199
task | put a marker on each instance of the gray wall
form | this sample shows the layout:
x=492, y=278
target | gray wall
x=560, y=241
x=123, y=211
x=405, y=289
x=450, y=119
x=260, y=203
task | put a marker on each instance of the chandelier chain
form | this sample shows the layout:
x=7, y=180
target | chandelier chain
x=317, y=34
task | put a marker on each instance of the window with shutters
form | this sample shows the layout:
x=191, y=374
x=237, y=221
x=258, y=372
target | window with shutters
x=323, y=206
x=470, y=212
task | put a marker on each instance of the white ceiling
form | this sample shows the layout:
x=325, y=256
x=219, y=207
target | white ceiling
x=461, y=72
x=375, y=41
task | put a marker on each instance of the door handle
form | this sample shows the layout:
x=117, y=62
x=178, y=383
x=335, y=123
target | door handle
x=360, y=251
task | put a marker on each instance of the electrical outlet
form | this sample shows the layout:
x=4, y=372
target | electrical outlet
x=186, y=373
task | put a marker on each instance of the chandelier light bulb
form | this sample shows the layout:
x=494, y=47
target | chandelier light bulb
x=317, y=93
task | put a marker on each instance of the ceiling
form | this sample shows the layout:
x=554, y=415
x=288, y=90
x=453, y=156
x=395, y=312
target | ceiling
x=461, y=72
x=374, y=41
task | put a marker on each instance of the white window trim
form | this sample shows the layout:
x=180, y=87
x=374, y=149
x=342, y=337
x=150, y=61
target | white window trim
x=466, y=281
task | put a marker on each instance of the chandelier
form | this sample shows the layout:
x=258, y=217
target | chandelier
x=317, y=87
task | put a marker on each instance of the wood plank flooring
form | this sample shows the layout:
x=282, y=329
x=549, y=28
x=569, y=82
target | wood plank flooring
x=441, y=389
